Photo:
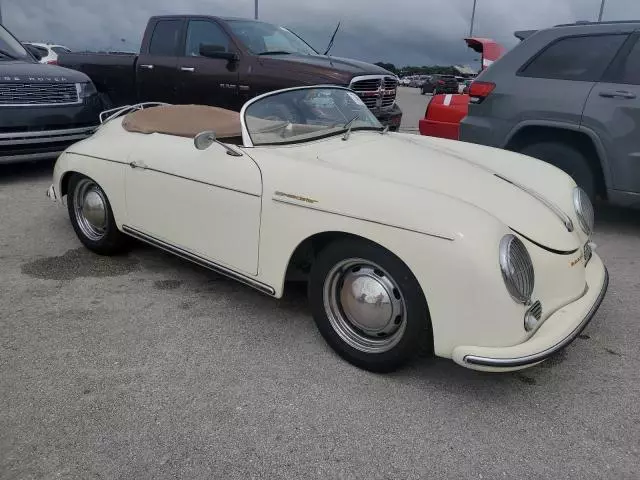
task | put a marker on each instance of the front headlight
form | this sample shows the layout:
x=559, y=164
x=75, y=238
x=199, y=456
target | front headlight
x=87, y=89
x=517, y=268
x=584, y=210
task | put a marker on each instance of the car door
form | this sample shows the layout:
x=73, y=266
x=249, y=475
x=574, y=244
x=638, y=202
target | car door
x=203, y=202
x=156, y=68
x=204, y=80
x=613, y=112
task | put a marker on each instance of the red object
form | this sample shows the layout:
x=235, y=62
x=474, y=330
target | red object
x=52, y=62
x=478, y=91
x=443, y=116
x=445, y=112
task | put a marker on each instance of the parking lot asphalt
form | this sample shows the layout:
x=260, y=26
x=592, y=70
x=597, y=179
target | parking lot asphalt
x=146, y=366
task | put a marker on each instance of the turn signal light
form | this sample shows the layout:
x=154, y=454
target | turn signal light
x=478, y=91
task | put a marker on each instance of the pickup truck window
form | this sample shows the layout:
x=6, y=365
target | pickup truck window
x=202, y=32
x=262, y=38
x=165, y=38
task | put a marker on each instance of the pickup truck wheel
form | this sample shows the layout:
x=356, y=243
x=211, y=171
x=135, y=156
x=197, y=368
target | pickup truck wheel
x=566, y=158
x=92, y=217
x=368, y=305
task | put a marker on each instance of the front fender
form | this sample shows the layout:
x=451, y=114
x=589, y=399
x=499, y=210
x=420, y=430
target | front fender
x=106, y=173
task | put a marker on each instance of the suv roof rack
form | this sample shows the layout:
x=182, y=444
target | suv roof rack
x=586, y=22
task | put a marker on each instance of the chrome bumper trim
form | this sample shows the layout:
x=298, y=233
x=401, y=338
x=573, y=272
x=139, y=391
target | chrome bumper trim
x=543, y=355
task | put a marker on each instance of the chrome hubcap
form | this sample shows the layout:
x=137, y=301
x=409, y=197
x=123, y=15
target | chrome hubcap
x=89, y=206
x=364, y=305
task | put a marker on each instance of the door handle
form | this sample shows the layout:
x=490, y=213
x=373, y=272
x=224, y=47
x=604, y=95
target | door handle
x=138, y=164
x=618, y=94
x=147, y=66
x=187, y=69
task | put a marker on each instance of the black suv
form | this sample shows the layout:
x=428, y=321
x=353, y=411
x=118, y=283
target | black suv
x=43, y=108
x=568, y=95
x=440, y=84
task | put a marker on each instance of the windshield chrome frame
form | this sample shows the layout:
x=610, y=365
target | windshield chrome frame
x=246, y=138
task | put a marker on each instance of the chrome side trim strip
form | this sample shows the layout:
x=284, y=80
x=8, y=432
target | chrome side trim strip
x=550, y=205
x=311, y=207
x=543, y=355
x=146, y=168
x=198, y=260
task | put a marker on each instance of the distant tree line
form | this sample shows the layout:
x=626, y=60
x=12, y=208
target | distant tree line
x=415, y=70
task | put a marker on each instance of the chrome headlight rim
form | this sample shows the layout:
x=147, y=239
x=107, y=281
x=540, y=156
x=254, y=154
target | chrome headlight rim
x=584, y=210
x=517, y=269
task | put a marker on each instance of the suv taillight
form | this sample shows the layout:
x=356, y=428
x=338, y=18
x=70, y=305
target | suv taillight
x=478, y=91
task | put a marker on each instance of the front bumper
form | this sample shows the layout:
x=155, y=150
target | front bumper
x=39, y=132
x=558, y=331
x=38, y=145
x=391, y=117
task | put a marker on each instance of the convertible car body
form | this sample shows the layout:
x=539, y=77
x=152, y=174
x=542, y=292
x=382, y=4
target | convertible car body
x=405, y=240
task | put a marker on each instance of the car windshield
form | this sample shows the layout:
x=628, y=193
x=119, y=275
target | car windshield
x=263, y=38
x=305, y=114
x=10, y=48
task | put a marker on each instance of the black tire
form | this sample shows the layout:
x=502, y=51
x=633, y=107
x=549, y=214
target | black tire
x=414, y=332
x=112, y=241
x=566, y=158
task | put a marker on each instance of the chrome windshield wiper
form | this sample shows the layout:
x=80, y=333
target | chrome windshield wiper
x=348, y=126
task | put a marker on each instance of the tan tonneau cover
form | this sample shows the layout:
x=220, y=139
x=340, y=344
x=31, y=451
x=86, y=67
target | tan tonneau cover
x=184, y=121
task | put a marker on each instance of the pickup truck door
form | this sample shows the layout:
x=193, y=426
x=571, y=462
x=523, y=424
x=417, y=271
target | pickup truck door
x=203, y=80
x=156, y=74
x=613, y=112
x=201, y=204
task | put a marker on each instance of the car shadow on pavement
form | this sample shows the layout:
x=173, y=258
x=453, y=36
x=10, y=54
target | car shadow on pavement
x=610, y=219
x=18, y=172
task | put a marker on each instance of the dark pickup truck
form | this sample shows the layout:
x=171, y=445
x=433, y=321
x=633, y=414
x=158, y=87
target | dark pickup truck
x=43, y=108
x=224, y=62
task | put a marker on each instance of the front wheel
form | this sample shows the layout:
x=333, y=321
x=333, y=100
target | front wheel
x=567, y=158
x=92, y=217
x=368, y=305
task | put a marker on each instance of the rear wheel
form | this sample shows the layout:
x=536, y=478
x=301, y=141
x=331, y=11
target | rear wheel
x=92, y=217
x=566, y=158
x=368, y=305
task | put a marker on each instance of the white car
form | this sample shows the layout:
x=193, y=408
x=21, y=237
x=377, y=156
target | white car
x=49, y=51
x=482, y=255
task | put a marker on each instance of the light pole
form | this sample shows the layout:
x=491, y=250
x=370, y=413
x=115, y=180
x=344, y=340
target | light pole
x=473, y=17
x=256, y=14
x=601, y=10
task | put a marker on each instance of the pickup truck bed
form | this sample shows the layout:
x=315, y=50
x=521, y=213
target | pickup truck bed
x=113, y=74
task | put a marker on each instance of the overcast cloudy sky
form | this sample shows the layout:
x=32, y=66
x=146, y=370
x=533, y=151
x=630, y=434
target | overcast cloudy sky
x=403, y=32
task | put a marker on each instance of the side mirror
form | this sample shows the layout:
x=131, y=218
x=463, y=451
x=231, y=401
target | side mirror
x=217, y=51
x=204, y=140
x=37, y=52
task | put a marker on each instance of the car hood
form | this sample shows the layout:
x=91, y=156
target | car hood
x=324, y=66
x=526, y=195
x=25, y=72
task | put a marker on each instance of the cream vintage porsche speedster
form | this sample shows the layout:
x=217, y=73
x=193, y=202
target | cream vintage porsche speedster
x=481, y=255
